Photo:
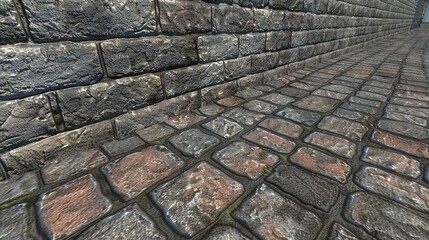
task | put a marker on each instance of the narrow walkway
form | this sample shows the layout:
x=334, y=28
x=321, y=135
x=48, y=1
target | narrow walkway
x=335, y=151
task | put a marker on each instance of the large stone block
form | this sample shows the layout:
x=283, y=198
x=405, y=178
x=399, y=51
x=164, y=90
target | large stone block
x=29, y=69
x=251, y=43
x=74, y=19
x=217, y=47
x=232, y=19
x=150, y=54
x=84, y=105
x=268, y=20
x=191, y=78
x=10, y=27
x=278, y=40
x=185, y=16
x=237, y=68
x=264, y=61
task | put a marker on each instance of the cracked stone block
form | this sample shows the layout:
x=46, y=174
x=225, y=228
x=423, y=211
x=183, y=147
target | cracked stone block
x=185, y=16
x=187, y=79
x=217, y=47
x=394, y=187
x=193, y=142
x=64, y=167
x=349, y=129
x=230, y=101
x=223, y=127
x=232, y=19
x=76, y=20
x=243, y=116
x=135, y=173
x=17, y=222
x=118, y=147
x=251, y=43
x=386, y=220
x=194, y=199
x=300, y=116
x=225, y=233
x=237, y=68
x=24, y=121
x=404, y=128
x=259, y=106
x=306, y=187
x=282, y=127
x=30, y=69
x=246, y=160
x=155, y=132
x=18, y=186
x=128, y=223
x=148, y=54
x=339, y=232
x=278, y=40
x=82, y=105
x=184, y=120
x=322, y=164
x=316, y=103
x=269, y=20
x=269, y=140
x=271, y=216
x=410, y=146
x=277, y=98
x=70, y=207
x=337, y=145
x=11, y=29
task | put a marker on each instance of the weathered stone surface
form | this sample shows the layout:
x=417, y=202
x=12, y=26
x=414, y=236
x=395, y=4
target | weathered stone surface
x=122, y=146
x=66, y=166
x=184, y=120
x=403, y=128
x=277, y=98
x=393, y=161
x=190, y=78
x=410, y=146
x=259, y=106
x=409, y=102
x=277, y=40
x=385, y=220
x=338, y=88
x=406, y=118
x=344, y=127
x=251, y=43
x=351, y=115
x=339, y=232
x=82, y=105
x=359, y=108
x=11, y=29
x=69, y=207
x=193, y=142
x=330, y=94
x=264, y=61
x=225, y=233
x=282, y=127
x=217, y=47
x=155, y=132
x=412, y=95
x=394, y=187
x=303, y=86
x=129, y=223
x=237, y=68
x=364, y=101
x=253, y=3
x=148, y=54
x=321, y=163
x=184, y=16
x=133, y=174
x=24, y=121
x=73, y=20
x=232, y=19
x=30, y=69
x=299, y=38
x=18, y=186
x=269, y=140
x=371, y=96
x=316, y=103
x=223, y=127
x=337, y=145
x=249, y=93
x=230, y=101
x=17, y=223
x=243, y=116
x=210, y=110
x=426, y=174
x=306, y=187
x=270, y=216
x=195, y=199
x=245, y=159
x=293, y=92
x=269, y=20
x=213, y=93
x=36, y=155
x=298, y=115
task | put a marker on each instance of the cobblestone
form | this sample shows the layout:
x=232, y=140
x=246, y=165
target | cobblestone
x=316, y=103
x=343, y=127
x=243, y=116
x=337, y=145
x=352, y=115
x=223, y=127
x=260, y=106
x=16, y=223
x=282, y=127
x=277, y=98
x=413, y=147
x=122, y=146
x=269, y=140
x=155, y=132
x=300, y=116
x=194, y=142
x=403, y=128
x=184, y=120
x=19, y=186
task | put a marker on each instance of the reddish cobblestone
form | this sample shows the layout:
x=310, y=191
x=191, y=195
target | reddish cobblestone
x=69, y=207
x=231, y=101
x=184, y=120
x=344, y=127
x=337, y=145
x=316, y=103
x=413, y=147
x=282, y=127
x=269, y=140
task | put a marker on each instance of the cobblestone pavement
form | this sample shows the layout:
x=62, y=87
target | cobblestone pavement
x=339, y=150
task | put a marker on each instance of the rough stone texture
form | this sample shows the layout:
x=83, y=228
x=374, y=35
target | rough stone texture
x=413, y=147
x=69, y=207
x=393, y=161
x=148, y=54
x=31, y=69
x=360, y=108
x=217, y=47
x=351, y=115
x=66, y=166
x=403, y=128
x=122, y=146
x=269, y=20
x=230, y=101
x=406, y=118
x=24, y=121
x=321, y=163
x=364, y=101
x=394, y=187
x=344, y=127
x=184, y=16
x=223, y=127
x=277, y=40
x=210, y=110
x=225, y=233
x=136, y=172
x=89, y=104
x=337, y=145
x=155, y=132
x=129, y=223
x=251, y=43
x=184, y=120
x=329, y=94
x=11, y=29
x=269, y=140
x=196, y=198
x=245, y=159
x=339, y=232
x=183, y=80
x=300, y=116
x=213, y=93
x=306, y=187
x=316, y=103
x=237, y=68
x=19, y=186
x=16, y=223
x=232, y=19
x=282, y=127
x=277, y=98
x=249, y=93
x=293, y=92
x=72, y=20
x=385, y=220
x=193, y=142
x=259, y=106
x=270, y=216
x=243, y=116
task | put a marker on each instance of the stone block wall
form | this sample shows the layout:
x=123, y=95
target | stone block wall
x=69, y=64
